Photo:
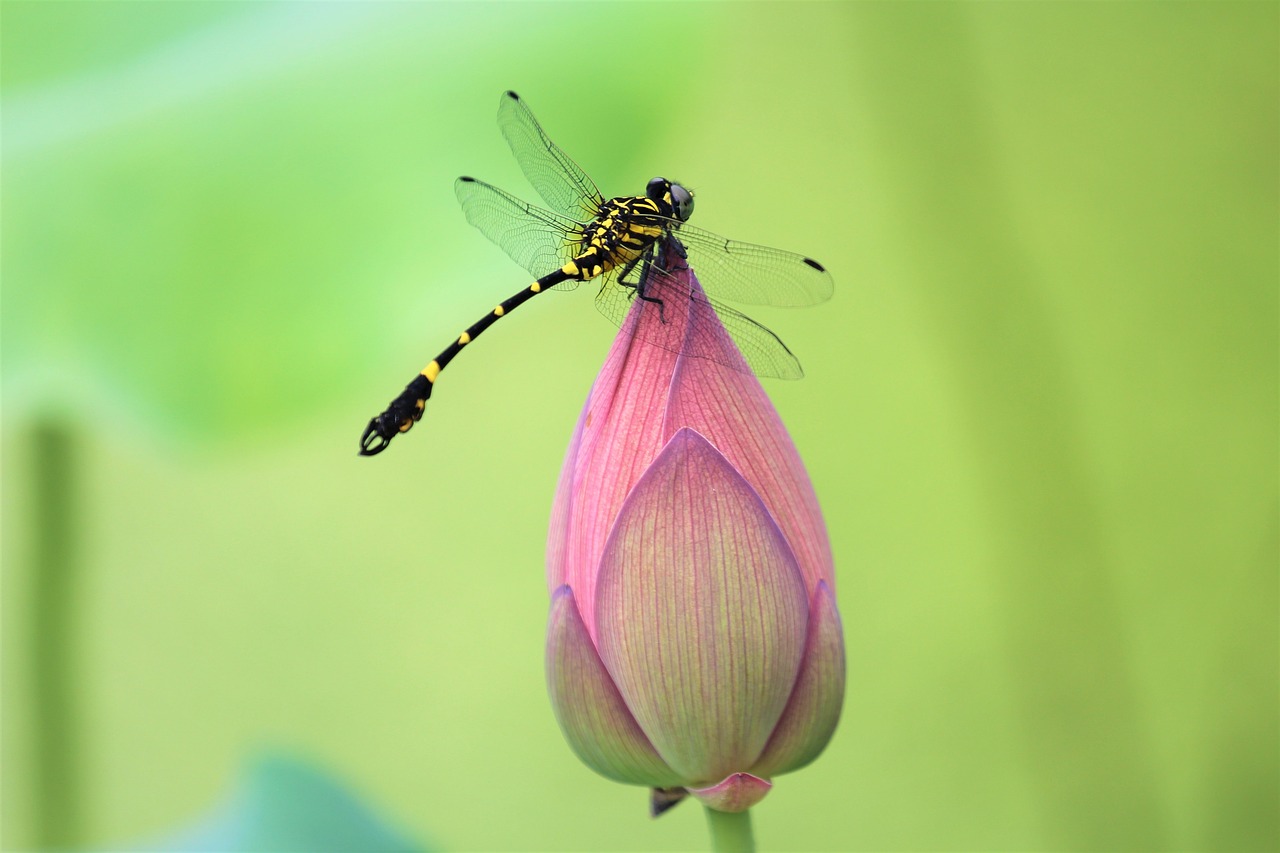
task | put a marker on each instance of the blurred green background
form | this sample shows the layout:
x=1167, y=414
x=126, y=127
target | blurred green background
x=1040, y=412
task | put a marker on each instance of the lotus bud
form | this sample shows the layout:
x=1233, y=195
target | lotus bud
x=694, y=646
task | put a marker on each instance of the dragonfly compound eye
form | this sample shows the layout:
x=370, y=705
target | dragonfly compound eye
x=682, y=201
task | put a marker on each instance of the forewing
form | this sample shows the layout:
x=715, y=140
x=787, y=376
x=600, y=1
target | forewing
x=536, y=239
x=562, y=184
x=751, y=274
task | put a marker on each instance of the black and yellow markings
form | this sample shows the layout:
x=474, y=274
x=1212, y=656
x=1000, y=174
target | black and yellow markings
x=616, y=237
x=408, y=408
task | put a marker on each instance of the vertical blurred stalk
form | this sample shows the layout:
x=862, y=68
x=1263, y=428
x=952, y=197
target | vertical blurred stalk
x=730, y=831
x=1083, y=736
x=55, y=552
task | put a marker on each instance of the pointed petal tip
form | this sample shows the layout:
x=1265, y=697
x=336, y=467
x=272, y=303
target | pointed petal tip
x=736, y=793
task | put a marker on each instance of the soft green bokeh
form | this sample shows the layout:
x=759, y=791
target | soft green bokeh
x=1041, y=411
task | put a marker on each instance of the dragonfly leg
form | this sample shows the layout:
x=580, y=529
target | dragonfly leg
x=647, y=265
x=655, y=300
x=674, y=244
x=624, y=277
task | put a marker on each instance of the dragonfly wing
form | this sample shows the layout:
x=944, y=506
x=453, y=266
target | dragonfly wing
x=685, y=322
x=562, y=184
x=751, y=274
x=536, y=239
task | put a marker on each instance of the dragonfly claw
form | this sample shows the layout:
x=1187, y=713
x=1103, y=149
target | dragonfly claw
x=374, y=440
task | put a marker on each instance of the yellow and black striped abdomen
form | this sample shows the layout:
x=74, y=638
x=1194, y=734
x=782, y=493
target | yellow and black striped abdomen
x=406, y=409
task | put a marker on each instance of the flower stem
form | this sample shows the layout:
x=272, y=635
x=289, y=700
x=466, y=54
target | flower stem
x=730, y=831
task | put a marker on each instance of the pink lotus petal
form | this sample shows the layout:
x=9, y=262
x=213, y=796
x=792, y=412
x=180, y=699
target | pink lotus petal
x=560, y=524
x=814, y=708
x=591, y=713
x=618, y=435
x=643, y=395
x=732, y=410
x=701, y=611
x=736, y=793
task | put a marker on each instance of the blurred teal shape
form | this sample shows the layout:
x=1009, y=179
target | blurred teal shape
x=284, y=803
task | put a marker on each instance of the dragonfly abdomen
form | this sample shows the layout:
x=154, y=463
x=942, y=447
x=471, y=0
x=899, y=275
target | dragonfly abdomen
x=406, y=409
x=616, y=238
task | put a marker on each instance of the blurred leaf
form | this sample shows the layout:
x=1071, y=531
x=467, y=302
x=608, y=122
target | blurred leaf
x=284, y=804
x=243, y=224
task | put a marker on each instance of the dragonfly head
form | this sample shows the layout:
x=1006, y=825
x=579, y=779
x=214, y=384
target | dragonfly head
x=680, y=199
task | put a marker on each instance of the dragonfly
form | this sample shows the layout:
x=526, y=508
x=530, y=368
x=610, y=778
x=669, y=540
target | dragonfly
x=631, y=245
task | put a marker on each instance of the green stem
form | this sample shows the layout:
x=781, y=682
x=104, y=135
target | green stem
x=730, y=832
x=53, y=596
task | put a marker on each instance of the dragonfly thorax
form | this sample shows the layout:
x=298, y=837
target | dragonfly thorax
x=623, y=229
